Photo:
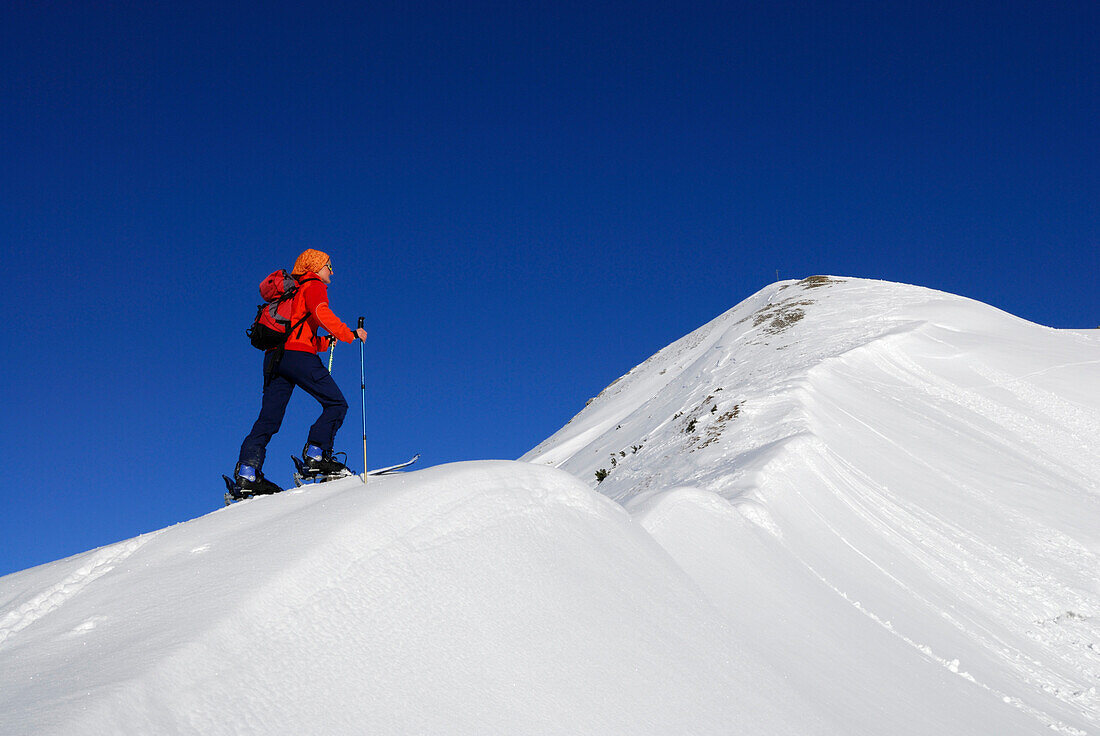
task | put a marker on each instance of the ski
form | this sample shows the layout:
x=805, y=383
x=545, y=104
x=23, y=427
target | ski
x=234, y=492
x=303, y=475
x=391, y=468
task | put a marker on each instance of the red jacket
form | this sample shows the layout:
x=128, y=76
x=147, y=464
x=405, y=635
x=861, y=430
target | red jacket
x=312, y=297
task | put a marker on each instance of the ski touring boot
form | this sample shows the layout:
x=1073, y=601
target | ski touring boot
x=319, y=466
x=247, y=482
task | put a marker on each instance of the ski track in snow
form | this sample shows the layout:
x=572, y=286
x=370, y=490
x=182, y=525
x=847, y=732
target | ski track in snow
x=988, y=573
x=951, y=665
x=90, y=567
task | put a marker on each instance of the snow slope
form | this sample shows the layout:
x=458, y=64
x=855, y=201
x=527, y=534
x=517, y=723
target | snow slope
x=893, y=489
x=842, y=507
x=491, y=597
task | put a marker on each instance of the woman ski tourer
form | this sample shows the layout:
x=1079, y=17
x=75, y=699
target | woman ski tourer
x=297, y=364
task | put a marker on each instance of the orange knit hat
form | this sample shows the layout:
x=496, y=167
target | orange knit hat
x=310, y=260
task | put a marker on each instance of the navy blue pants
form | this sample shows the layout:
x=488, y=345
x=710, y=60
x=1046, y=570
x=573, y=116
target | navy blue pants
x=295, y=369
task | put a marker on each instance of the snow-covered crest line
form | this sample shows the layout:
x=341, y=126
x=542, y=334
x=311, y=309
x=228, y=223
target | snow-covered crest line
x=927, y=440
x=844, y=507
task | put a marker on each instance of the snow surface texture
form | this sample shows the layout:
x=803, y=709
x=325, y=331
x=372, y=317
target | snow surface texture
x=842, y=507
x=875, y=482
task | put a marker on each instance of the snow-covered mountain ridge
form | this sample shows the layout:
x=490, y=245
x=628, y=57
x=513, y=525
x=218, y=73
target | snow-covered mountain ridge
x=926, y=459
x=756, y=365
x=842, y=507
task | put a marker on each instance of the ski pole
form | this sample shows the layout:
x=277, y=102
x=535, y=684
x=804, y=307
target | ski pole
x=331, y=350
x=363, y=393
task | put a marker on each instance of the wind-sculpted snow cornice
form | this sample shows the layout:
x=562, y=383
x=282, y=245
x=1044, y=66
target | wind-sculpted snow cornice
x=733, y=382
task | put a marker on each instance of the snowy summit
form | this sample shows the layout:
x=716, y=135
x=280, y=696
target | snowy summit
x=842, y=507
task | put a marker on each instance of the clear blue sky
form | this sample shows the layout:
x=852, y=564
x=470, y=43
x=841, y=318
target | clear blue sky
x=525, y=200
